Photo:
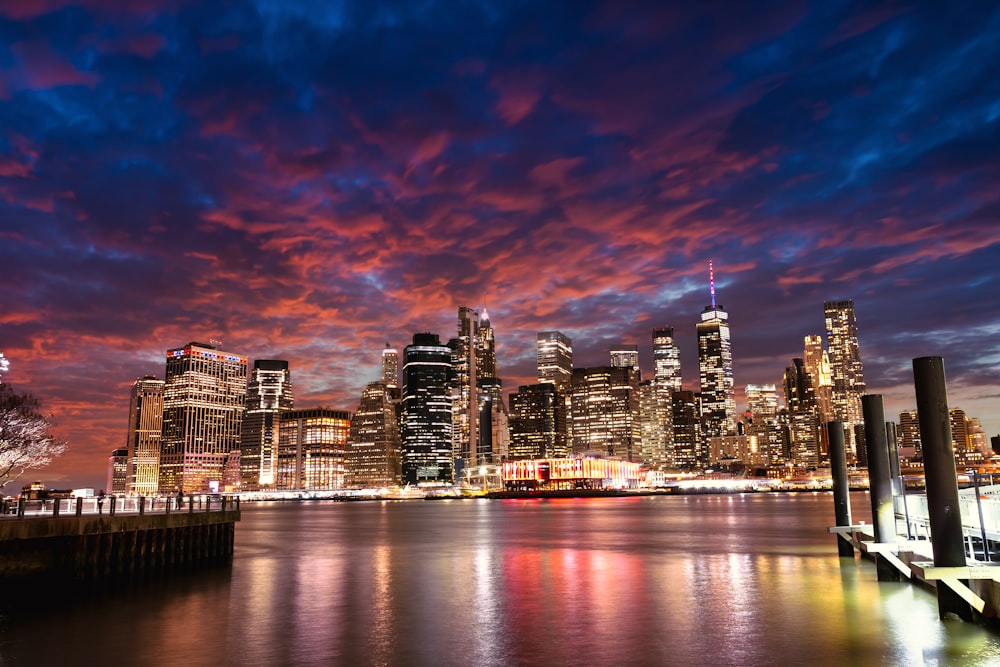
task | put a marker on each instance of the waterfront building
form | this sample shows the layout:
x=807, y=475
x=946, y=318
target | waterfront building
x=390, y=367
x=537, y=422
x=762, y=405
x=269, y=394
x=464, y=387
x=566, y=474
x=373, y=449
x=803, y=418
x=666, y=359
x=655, y=425
x=845, y=366
x=715, y=366
x=494, y=431
x=312, y=448
x=555, y=358
x=204, y=397
x=145, y=429
x=604, y=411
x=625, y=356
x=427, y=455
x=817, y=363
x=118, y=472
x=688, y=452
x=909, y=435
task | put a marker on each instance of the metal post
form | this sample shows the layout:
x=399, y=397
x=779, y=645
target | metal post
x=142, y=505
x=879, y=482
x=20, y=508
x=893, y=443
x=79, y=506
x=841, y=489
x=190, y=503
x=111, y=511
x=982, y=525
x=943, y=508
x=55, y=507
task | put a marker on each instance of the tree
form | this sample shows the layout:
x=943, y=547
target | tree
x=25, y=441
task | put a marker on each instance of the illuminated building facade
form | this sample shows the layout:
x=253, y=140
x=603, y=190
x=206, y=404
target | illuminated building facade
x=570, y=473
x=625, y=356
x=715, y=367
x=604, y=411
x=269, y=394
x=555, y=358
x=118, y=472
x=390, y=367
x=427, y=411
x=762, y=405
x=464, y=387
x=803, y=418
x=666, y=359
x=537, y=422
x=204, y=397
x=145, y=429
x=845, y=364
x=909, y=434
x=373, y=451
x=312, y=448
x=494, y=430
x=656, y=425
x=688, y=452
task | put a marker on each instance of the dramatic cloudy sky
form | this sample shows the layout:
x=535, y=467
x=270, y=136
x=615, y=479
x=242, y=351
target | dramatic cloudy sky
x=308, y=179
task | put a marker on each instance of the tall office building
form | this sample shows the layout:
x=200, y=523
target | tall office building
x=666, y=359
x=494, y=427
x=145, y=429
x=845, y=363
x=803, y=419
x=312, y=449
x=715, y=366
x=269, y=394
x=909, y=433
x=604, y=411
x=555, y=358
x=537, y=423
x=390, y=367
x=656, y=425
x=688, y=450
x=427, y=411
x=625, y=356
x=464, y=387
x=204, y=397
x=373, y=447
x=118, y=472
x=762, y=404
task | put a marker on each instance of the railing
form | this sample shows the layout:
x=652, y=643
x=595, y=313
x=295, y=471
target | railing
x=112, y=505
x=983, y=502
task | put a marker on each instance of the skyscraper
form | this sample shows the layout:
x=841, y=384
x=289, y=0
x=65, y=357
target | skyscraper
x=203, y=401
x=373, y=447
x=688, y=450
x=537, y=422
x=145, y=430
x=312, y=449
x=269, y=394
x=715, y=366
x=118, y=472
x=656, y=425
x=555, y=358
x=625, y=356
x=494, y=432
x=604, y=410
x=845, y=363
x=427, y=411
x=390, y=366
x=762, y=403
x=666, y=359
x=464, y=387
x=803, y=419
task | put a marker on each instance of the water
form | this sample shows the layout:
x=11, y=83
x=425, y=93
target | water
x=695, y=580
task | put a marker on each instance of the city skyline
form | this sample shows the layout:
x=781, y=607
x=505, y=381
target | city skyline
x=570, y=167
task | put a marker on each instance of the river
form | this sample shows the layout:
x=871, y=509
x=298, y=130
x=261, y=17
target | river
x=749, y=579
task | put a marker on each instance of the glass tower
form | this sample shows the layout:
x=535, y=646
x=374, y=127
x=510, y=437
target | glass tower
x=269, y=394
x=427, y=411
x=145, y=429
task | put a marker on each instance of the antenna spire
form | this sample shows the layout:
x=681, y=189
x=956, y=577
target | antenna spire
x=711, y=281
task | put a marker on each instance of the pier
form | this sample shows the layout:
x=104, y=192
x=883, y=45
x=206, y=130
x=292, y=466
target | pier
x=82, y=539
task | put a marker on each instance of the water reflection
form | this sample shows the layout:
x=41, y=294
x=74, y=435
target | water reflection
x=722, y=580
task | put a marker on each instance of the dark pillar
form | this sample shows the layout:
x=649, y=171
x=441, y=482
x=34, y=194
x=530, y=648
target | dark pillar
x=939, y=473
x=879, y=482
x=894, y=473
x=841, y=489
x=79, y=506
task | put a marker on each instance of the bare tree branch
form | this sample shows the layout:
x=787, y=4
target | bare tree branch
x=25, y=440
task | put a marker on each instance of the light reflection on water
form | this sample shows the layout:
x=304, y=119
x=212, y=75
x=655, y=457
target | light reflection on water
x=721, y=580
